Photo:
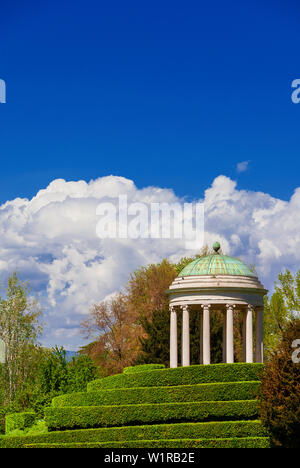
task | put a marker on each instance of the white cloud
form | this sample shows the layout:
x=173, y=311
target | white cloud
x=51, y=241
x=242, y=166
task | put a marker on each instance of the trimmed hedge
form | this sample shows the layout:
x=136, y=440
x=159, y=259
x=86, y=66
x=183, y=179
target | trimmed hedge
x=104, y=416
x=151, y=406
x=151, y=432
x=184, y=393
x=190, y=375
x=19, y=421
x=249, y=442
x=142, y=368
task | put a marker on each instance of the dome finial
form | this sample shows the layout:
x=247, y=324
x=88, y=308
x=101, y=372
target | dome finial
x=216, y=247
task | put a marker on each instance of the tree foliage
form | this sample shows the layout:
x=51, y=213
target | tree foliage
x=281, y=308
x=146, y=289
x=81, y=370
x=115, y=331
x=155, y=343
x=55, y=375
x=19, y=330
x=280, y=390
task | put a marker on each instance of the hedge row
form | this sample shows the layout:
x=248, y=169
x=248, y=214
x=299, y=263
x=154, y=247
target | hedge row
x=142, y=368
x=19, y=421
x=190, y=375
x=104, y=416
x=163, y=431
x=185, y=393
x=249, y=442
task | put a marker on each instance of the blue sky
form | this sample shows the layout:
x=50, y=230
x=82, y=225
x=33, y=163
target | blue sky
x=165, y=93
x=193, y=98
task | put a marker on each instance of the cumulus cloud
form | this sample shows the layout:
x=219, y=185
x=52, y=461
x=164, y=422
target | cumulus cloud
x=51, y=241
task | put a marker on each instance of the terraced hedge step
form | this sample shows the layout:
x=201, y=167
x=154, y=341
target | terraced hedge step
x=183, y=393
x=181, y=376
x=104, y=416
x=249, y=442
x=142, y=368
x=210, y=430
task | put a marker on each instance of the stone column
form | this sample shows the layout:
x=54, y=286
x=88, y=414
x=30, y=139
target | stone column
x=249, y=334
x=224, y=338
x=259, y=346
x=185, y=354
x=173, y=338
x=206, y=334
x=201, y=337
x=229, y=334
x=244, y=335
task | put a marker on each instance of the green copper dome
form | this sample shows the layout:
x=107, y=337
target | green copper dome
x=216, y=264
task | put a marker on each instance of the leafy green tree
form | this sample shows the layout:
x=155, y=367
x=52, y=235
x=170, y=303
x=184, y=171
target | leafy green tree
x=53, y=372
x=146, y=289
x=51, y=380
x=19, y=330
x=56, y=376
x=289, y=286
x=155, y=343
x=281, y=308
x=81, y=370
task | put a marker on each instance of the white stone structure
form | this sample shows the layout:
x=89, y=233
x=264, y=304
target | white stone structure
x=217, y=283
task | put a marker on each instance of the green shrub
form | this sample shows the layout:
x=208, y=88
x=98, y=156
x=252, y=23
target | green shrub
x=142, y=368
x=181, y=376
x=19, y=421
x=103, y=416
x=39, y=427
x=185, y=393
x=249, y=442
x=162, y=431
x=4, y=411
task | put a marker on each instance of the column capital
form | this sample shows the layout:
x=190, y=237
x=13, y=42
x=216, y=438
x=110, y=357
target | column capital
x=172, y=308
x=250, y=307
x=185, y=307
x=207, y=306
x=230, y=306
